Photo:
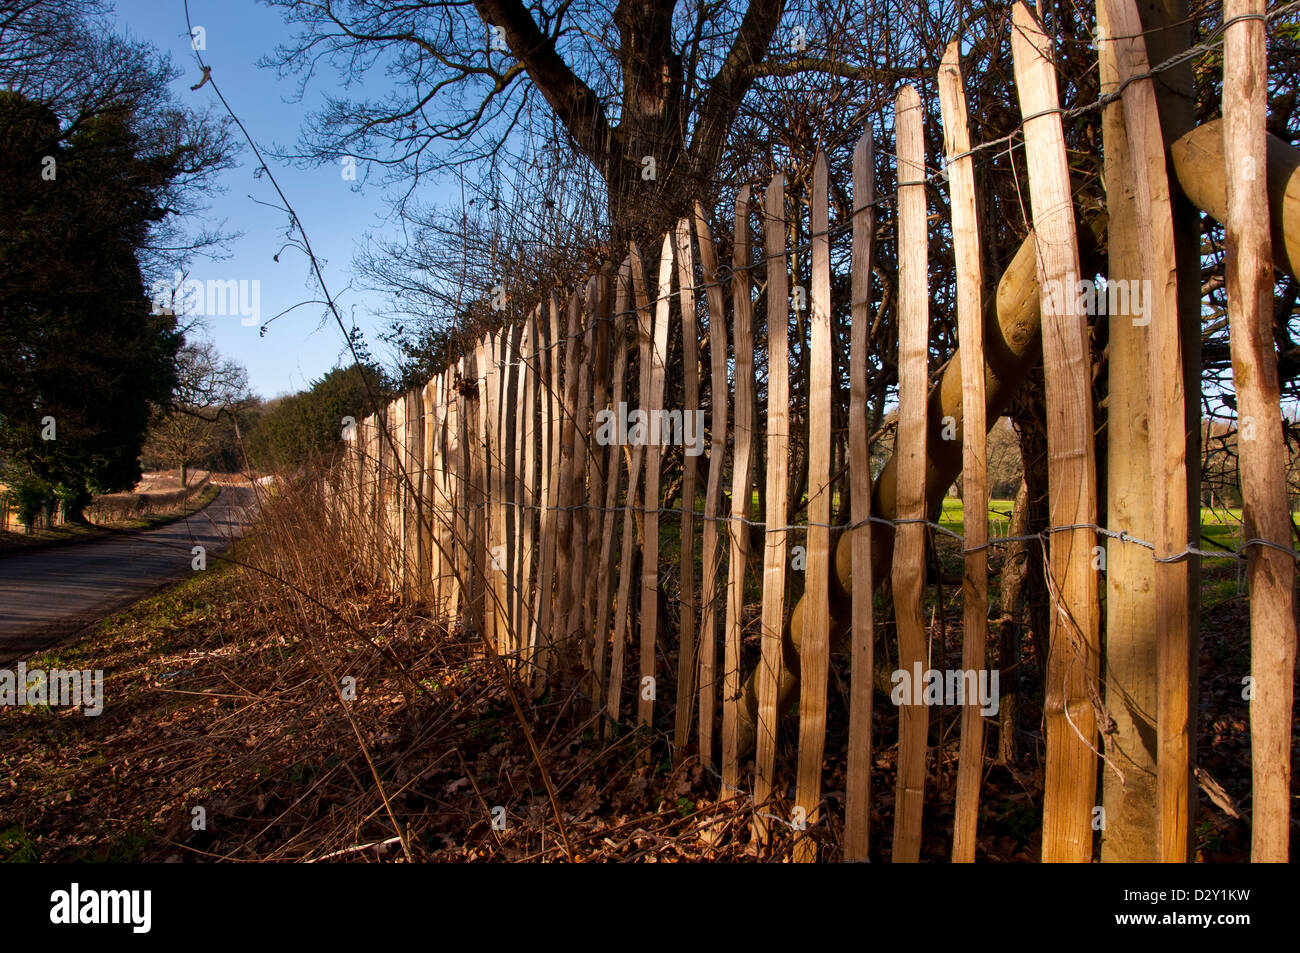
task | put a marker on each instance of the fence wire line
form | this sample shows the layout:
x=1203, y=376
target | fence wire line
x=1123, y=536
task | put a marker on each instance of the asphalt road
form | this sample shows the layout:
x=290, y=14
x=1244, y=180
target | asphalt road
x=50, y=594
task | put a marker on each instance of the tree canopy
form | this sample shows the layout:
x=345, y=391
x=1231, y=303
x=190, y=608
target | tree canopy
x=307, y=426
x=99, y=173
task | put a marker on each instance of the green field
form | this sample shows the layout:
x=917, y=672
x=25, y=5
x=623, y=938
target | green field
x=1222, y=526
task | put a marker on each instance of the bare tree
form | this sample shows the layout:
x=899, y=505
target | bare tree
x=65, y=55
x=208, y=386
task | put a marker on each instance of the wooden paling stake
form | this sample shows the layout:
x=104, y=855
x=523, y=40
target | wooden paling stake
x=975, y=487
x=1263, y=459
x=454, y=525
x=374, y=496
x=464, y=519
x=393, y=499
x=1168, y=440
x=621, y=617
x=499, y=557
x=857, y=804
x=430, y=483
x=521, y=493
x=401, y=472
x=384, y=477
x=1131, y=644
x=777, y=491
x=528, y=497
x=356, y=482
x=506, y=425
x=578, y=477
x=712, y=493
x=414, y=475
x=654, y=454
x=604, y=586
x=598, y=356
x=365, y=482
x=1070, y=785
x=690, y=467
x=449, y=522
x=814, y=656
x=392, y=494
x=410, y=488
x=909, y=545
x=741, y=503
x=491, y=460
x=482, y=544
x=550, y=491
x=567, y=492
x=448, y=590
x=422, y=478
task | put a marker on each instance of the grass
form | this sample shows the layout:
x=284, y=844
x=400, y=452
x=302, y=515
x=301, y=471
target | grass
x=1219, y=581
x=953, y=515
x=1221, y=531
x=11, y=543
x=1219, y=525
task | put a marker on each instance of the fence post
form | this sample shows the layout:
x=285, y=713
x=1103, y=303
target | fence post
x=551, y=423
x=464, y=512
x=909, y=547
x=658, y=353
x=526, y=493
x=613, y=703
x=507, y=425
x=857, y=801
x=776, y=541
x=577, y=577
x=567, y=498
x=741, y=481
x=814, y=655
x=1154, y=226
x=975, y=494
x=1070, y=786
x=690, y=469
x=598, y=352
x=1263, y=459
x=604, y=584
x=712, y=493
x=1131, y=644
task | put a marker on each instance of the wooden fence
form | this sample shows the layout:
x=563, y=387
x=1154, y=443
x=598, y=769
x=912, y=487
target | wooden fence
x=46, y=518
x=520, y=491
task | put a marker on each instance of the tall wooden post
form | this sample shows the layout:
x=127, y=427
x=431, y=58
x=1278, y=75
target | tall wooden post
x=1070, y=786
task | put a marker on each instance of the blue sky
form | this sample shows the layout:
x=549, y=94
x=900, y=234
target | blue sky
x=297, y=347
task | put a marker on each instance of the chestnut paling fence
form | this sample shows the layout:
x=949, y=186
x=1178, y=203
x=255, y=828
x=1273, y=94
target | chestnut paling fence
x=501, y=494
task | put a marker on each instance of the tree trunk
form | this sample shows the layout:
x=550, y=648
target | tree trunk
x=645, y=192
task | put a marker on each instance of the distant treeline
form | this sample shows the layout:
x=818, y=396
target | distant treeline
x=286, y=433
